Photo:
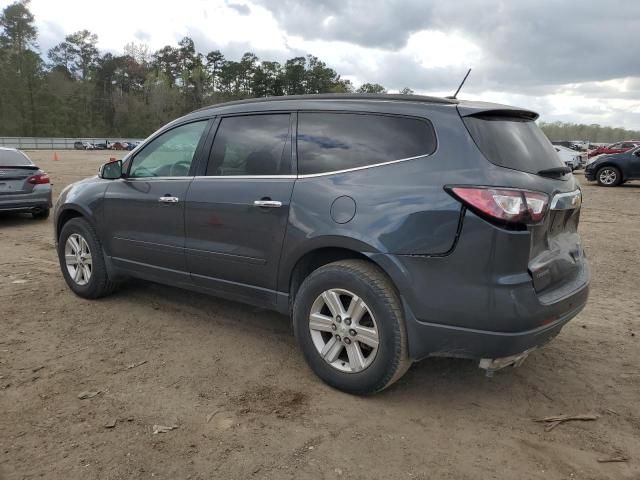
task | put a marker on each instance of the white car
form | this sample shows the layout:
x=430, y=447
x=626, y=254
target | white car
x=571, y=158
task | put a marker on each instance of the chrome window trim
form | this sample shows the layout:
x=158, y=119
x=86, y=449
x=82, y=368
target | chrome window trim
x=259, y=177
x=146, y=179
x=559, y=196
x=313, y=175
x=364, y=167
x=310, y=175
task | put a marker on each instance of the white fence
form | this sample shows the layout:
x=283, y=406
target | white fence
x=50, y=143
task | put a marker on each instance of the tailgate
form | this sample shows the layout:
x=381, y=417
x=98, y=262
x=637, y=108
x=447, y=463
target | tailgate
x=556, y=251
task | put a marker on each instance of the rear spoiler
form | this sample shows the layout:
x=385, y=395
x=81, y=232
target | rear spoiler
x=491, y=110
x=25, y=167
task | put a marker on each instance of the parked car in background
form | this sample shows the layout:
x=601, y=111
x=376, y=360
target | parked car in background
x=389, y=230
x=615, y=169
x=117, y=146
x=100, y=146
x=23, y=186
x=571, y=158
x=78, y=145
x=619, y=147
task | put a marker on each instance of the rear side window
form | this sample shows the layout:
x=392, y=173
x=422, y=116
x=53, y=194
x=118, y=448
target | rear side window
x=251, y=145
x=330, y=142
x=13, y=158
x=513, y=142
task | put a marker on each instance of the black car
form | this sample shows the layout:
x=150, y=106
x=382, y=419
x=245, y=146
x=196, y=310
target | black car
x=615, y=169
x=390, y=227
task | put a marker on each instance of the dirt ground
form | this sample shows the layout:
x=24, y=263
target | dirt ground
x=245, y=405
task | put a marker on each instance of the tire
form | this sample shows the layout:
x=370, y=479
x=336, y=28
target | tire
x=42, y=214
x=608, y=176
x=96, y=284
x=374, y=368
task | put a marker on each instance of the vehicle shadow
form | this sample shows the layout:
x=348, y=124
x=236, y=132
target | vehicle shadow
x=434, y=378
x=12, y=219
x=221, y=310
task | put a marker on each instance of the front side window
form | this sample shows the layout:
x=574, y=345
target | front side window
x=253, y=145
x=170, y=154
x=330, y=142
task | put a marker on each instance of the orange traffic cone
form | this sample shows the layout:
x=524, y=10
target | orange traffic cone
x=55, y=156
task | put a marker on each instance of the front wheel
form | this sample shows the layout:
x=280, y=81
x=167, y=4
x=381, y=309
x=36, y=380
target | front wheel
x=608, y=177
x=82, y=261
x=348, y=321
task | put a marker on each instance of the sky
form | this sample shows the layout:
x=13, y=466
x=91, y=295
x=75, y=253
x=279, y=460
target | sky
x=569, y=60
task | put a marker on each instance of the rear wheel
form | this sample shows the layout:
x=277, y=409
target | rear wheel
x=82, y=261
x=41, y=214
x=348, y=321
x=608, y=176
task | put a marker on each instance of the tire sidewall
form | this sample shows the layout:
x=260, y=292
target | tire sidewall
x=81, y=227
x=376, y=375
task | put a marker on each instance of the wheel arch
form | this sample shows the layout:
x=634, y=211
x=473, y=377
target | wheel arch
x=67, y=213
x=298, y=267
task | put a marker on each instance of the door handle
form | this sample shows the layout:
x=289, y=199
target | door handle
x=169, y=199
x=267, y=203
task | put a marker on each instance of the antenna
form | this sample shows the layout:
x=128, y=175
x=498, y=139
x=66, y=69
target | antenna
x=461, y=84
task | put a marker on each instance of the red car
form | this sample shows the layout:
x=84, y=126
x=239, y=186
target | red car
x=619, y=147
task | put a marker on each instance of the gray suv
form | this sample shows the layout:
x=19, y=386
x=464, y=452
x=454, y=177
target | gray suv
x=390, y=228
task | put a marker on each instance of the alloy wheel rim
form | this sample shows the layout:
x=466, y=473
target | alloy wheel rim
x=608, y=176
x=343, y=330
x=77, y=256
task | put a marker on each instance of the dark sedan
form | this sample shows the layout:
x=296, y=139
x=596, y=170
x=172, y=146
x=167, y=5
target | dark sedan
x=613, y=170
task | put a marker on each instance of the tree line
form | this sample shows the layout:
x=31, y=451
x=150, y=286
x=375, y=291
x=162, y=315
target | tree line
x=560, y=131
x=78, y=91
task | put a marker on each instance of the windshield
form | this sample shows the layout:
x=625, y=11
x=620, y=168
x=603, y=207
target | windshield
x=513, y=142
x=14, y=158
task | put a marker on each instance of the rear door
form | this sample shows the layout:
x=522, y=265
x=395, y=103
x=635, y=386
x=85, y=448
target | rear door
x=144, y=212
x=237, y=210
x=513, y=140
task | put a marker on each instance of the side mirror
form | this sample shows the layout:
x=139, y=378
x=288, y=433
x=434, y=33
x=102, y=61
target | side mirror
x=111, y=170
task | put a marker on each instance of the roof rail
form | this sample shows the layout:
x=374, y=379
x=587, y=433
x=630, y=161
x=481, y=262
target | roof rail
x=338, y=96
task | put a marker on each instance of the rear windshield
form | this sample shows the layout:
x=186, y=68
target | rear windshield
x=513, y=142
x=13, y=158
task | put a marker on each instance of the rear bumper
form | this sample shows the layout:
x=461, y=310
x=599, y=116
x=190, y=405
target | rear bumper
x=427, y=339
x=39, y=198
x=479, y=301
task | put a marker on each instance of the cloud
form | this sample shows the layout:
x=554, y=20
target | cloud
x=524, y=43
x=240, y=8
x=142, y=35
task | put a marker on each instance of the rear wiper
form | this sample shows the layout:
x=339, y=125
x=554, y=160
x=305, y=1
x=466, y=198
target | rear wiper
x=554, y=172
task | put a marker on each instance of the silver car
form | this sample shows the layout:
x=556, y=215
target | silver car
x=23, y=186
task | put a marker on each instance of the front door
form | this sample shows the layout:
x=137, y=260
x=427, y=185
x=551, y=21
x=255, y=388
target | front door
x=144, y=212
x=237, y=212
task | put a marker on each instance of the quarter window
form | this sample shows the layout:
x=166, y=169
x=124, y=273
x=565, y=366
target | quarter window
x=170, y=154
x=251, y=145
x=329, y=142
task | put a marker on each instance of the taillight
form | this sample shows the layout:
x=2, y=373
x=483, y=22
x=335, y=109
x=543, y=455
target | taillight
x=502, y=205
x=39, y=179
